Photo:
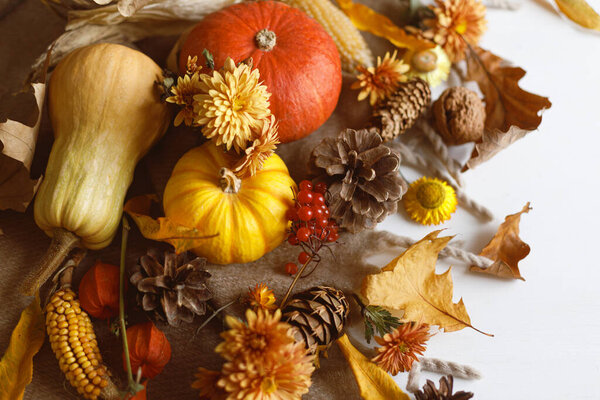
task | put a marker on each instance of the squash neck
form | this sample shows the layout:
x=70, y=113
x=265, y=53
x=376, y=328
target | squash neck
x=228, y=182
x=266, y=40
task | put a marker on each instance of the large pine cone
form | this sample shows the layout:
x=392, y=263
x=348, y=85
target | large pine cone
x=400, y=112
x=172, y=286
x=317, y=315
x=365, y=185
x=430, y=392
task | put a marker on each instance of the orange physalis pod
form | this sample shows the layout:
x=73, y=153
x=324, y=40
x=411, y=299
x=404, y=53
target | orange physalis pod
x=149, y=349
x=99, y=291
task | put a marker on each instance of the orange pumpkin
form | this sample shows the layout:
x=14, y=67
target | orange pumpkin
x=248, y=215
x=149, y=349
x=296, y=57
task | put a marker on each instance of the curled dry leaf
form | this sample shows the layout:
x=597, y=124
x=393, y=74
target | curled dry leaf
x=410, y=283
x=506, y=249
x=161, y=229
x=511, y=112
x=129, y=7
x=369, y=20
x=373, y=382
x=18, y=137
x=16, y=366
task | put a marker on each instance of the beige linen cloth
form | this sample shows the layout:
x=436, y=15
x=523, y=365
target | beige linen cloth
x=25, y=33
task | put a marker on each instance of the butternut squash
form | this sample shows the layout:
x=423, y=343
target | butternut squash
x=106, y=114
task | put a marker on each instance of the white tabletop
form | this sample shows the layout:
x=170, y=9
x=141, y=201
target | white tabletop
x=547, y=329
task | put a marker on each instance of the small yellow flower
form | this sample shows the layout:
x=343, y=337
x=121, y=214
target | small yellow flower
x=232, y=105
x=382, y=81
x=183, y=94
x=262, y=297
x=261, y=149
x=192, y=66
x=430, y=201
x=432, y=65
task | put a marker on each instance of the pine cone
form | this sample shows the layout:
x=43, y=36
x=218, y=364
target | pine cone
x=317, y=315
x=363, y=178
x=430, y=392
x=172, y=286
x=400, y=112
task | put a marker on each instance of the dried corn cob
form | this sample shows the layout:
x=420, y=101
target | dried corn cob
x=74, y=343
x=350, y=43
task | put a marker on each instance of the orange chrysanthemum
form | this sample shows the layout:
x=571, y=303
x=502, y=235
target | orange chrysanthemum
x=284, y=377
x=380, y=82
x=401, y=347
x=263, y=336
x=261, y=149
x=206, y=382
x=457, y=23
x=183, y=94
x=261, y=297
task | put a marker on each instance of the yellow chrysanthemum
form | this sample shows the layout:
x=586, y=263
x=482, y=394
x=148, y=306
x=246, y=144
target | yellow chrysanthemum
x=183, y=94
x=233, y=103
x=261, y=337
x=206, y=382
x=285, y=377
x=456, y=23
x=430, y=201
x=432, y=65
x=192, y=65
x=261, y=149
x=261, y=297
x=382, y=81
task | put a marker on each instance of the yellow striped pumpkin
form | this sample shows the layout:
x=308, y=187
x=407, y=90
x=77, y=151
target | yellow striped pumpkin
x=247, y=215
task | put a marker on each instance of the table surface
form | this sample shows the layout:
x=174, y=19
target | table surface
x=547, y=330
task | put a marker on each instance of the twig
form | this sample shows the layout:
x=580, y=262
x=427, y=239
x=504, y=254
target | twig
x=289, y=291
x=213, y=315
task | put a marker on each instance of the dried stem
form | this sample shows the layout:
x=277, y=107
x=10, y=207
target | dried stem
x=298, y=275
x=62, y=243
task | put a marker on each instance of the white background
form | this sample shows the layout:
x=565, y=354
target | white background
x=547, y=329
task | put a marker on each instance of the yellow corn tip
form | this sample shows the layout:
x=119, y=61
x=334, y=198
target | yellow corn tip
x=353, y=48
x=74, y=343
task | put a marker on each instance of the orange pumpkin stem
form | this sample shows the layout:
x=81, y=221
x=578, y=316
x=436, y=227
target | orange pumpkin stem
x=266, y=40
x=229, y=182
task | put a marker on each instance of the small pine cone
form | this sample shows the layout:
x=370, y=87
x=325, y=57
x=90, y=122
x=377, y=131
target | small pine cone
x=363, y=178
x=400, y=112
x=172, y=286
x=317, y=316
x=430, y=392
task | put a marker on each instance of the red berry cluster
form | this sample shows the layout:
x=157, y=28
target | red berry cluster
x=311, y=226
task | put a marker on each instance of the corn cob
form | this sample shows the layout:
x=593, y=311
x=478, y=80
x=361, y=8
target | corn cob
x=350, y=43
x=74, y=343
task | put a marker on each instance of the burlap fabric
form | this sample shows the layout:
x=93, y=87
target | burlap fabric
x=24, y=33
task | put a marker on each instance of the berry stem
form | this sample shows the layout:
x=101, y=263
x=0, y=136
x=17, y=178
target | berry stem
x=298, y=275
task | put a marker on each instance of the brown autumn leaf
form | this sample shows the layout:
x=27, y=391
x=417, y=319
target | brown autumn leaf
x=161, y=229
x=21, y=116
x=506, y=249
x=511, y=112
x=409, y=283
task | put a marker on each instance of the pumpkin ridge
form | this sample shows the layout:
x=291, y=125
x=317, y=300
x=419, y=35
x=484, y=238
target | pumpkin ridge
x=250, y=207
x=205, y=176
x=281, y=199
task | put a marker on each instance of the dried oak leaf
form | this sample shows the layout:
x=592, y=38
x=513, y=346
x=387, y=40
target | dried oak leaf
x=511, y=112
x=21, y=115
x=16, y=366
x=410, y=283
x=373, y=382
x=506, y=249
x=161, y=229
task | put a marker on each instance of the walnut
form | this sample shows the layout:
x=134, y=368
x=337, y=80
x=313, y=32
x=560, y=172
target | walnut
x=459, y=116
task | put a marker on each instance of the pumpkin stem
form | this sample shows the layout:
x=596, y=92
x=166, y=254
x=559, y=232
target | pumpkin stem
x=229, y=182
x=266, y=40
x=62, y=243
